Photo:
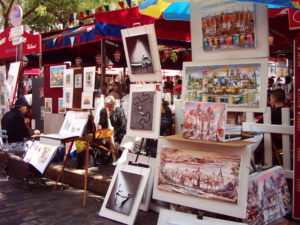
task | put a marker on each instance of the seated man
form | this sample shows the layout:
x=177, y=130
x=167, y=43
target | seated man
x=14, y=123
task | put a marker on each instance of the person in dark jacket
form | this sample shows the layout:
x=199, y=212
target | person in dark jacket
x=14, y=123
x=116, y=116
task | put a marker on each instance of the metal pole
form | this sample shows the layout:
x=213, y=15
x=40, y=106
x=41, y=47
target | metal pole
x=21, y=78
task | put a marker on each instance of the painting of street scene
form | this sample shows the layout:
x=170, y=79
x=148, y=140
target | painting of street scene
x=204, y=121
x=268, y=197
x=202, y=174
x=57, y=76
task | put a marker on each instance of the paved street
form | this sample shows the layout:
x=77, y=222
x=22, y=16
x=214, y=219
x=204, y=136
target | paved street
x=40, y=205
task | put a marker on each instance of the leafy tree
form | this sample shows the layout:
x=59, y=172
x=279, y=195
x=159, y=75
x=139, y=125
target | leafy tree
x=47, y=15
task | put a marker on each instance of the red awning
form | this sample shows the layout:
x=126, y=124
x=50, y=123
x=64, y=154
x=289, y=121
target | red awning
x=32, y=71
x=31, y=44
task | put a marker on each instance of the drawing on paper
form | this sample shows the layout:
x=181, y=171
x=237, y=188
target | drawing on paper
x=56, y=76
x=236, y=85
x=142, y=110
x=139, y=52
x=201, y=174
x=124, y=191
x=228, y=27
x=204, y=121
x=78, y=80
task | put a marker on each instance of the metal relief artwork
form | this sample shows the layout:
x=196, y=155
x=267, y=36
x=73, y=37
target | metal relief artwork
x=139, y=54
x=142, y=110
x=124, y=191
x=201, y=174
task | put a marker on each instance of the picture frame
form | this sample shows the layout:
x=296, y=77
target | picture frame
x=150, y=162
x=74, y=124
x=87, y=99
x=57, y=76
x=142, y=55
x=154, y=132
x=68, y=78
x=222, y=207
x=48, y=105
x=241, y=83
x=61, y=108
x=89, y=76
x=68, y=98
x=210, y=8
x=117, y=181
x=12, y=79
x=78, y=81
x=3, y=74
x=42, y=113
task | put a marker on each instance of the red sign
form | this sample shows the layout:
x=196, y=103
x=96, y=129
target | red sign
x=296, y=207
x=294, y=19
x=31, y=44
x=16, y=15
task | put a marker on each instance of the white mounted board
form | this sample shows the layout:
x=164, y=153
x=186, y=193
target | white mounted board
x=142, y=55
x=208, y=8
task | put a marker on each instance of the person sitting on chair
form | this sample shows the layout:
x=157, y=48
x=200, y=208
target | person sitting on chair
x=13, y=122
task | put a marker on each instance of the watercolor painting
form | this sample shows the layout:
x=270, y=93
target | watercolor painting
x=57, y=76
x=87, y=100
x=61, y=108
x=201, y=174
x=204, y=121
x=48, y=105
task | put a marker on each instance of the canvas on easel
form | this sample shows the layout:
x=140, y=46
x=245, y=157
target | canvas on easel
x=125, y=193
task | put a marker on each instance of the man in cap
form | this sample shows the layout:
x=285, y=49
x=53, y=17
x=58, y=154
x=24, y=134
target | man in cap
x=14, y=123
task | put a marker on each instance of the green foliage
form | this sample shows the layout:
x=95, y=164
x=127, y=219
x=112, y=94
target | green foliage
x=48, y=15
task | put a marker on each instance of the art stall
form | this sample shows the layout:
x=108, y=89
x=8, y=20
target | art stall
x=207, y=165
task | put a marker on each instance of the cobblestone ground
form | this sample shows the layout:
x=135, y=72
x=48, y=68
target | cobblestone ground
x=39, y=205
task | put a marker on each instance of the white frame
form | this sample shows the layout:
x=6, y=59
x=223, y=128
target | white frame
x=83, y=96
x=150, y=30
x=262, y=80
x=14, y=72
x=71, y=72
x=68, y=105
x=117, y=216
x=154, y=133
x=50, y=100
x=88, y=70
x=261, y=31
x=63, y=67
x=75, y=84
x=146, y=160
x=236, y=210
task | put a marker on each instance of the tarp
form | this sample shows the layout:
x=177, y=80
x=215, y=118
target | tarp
x=31, y=44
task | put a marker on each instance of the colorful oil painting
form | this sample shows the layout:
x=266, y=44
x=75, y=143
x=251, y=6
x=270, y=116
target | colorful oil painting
x=201, y=174
x=229, y=27
x=204, y=121
x=61, y=108
x=57, y=76
x=268, y=197
x=87, y=100
x=236, y=85
x=48, y=105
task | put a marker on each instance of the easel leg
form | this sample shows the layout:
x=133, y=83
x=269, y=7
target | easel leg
x=86, y=171
x=63, y=167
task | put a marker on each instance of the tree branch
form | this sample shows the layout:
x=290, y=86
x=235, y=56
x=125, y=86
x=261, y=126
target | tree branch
x=9, y=7
x=3, y=6
x=30, y=11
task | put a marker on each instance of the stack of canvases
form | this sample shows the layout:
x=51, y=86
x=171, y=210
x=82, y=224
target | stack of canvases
x=129, y=183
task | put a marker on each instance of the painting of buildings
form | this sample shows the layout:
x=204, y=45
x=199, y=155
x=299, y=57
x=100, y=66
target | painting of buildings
x=268, y=197
x=201, y=174
x=205, y=121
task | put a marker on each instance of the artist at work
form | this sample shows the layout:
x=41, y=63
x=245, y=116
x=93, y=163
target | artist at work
x=17, y=131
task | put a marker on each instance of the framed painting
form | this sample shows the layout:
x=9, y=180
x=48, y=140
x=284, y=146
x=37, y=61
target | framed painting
x=3, y=74
x=241, y=83
x=57, y=76
x=48, y=105
x=78, y=81
x=13, y=75
x=68, y=98
x=89, y=74
x=228, y=29
x=204, y=176
x=87, y=100
x=3, y=99
x=141, y=53
x=205, y=121
x=144, y=115
x=125, y=193
x=61, y=108
x=68, y=78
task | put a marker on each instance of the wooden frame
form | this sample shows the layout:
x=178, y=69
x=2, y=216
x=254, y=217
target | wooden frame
x=258, y=94
x=221, y=207
x=261, y=31
x=155, y=60
x=117, y=216
x=154, y=133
